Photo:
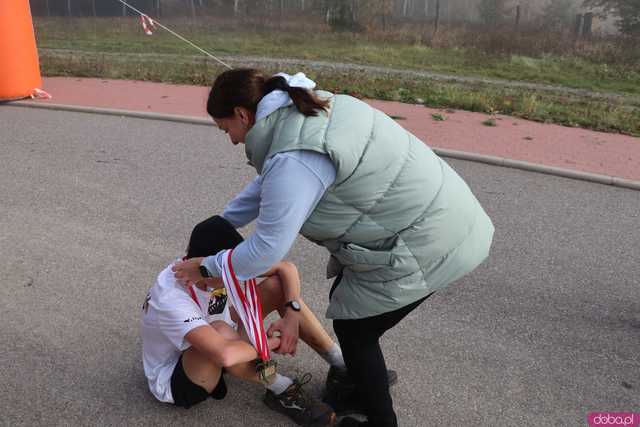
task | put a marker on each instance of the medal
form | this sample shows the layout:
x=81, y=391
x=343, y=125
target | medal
x=266, y=371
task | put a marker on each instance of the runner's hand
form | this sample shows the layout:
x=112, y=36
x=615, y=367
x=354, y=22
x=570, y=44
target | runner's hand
x=273, y=342
x=188, y=272
x=288, y=327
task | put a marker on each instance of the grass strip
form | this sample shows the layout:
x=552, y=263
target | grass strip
x=125, y=35
x=542, y=106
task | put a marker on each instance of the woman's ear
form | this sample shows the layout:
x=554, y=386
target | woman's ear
x=246, y=117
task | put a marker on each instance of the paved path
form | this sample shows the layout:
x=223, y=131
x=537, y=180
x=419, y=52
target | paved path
x=94, y=206
x=572, y=148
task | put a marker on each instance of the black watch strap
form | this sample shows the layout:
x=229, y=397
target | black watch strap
x=294, y=304
x=204, y=272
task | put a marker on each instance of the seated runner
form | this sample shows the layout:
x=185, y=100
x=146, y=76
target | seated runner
x=191, y=336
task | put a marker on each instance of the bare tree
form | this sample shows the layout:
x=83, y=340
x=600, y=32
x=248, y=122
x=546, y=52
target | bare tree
x=558, y=15
x=387, y=9
x=493, y=12
x=627, y=12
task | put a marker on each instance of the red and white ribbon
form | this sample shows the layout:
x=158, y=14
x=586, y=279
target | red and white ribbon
x=39, y=94
x=147, y=24
x=245, y=299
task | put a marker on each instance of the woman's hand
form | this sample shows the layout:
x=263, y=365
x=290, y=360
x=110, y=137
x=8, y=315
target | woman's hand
x=188, y=272
x=289, y=328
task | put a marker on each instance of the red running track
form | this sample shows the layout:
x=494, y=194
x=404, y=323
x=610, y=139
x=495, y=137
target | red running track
x=512, y=138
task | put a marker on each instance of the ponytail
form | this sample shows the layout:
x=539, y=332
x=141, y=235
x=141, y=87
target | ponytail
x=307, y=102
x=245, y=87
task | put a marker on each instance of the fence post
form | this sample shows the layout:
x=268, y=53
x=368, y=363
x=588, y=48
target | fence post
x=193, y=10
x=588, y=22
x=577, y=26
x=437, y=18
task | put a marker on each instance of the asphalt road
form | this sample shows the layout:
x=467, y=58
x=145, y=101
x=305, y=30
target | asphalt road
x=92, y=207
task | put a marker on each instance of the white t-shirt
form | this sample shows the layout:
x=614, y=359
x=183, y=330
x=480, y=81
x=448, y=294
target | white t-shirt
x=168, y=314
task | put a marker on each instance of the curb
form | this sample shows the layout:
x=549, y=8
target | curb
x=539, y=168
x=113, y=112
x=454, y=154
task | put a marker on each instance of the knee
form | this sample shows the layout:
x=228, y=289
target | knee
x=353, y=331
x=341, y=328
x=290, y=267
x=272, y=292
x=195, y=361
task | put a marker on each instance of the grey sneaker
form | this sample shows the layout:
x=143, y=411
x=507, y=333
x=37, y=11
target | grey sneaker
x=303, y=409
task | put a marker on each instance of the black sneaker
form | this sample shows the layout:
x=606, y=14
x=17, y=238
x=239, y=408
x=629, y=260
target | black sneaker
x=352, y=422
x=340, y=391
x=296, y=404
x=339, y=378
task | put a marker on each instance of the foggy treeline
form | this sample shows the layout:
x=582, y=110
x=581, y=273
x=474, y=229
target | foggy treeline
x=353, y=14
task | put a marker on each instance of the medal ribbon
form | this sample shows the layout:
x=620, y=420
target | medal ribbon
x=244, y=297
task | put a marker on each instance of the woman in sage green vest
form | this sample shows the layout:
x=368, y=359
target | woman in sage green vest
x=398, y=221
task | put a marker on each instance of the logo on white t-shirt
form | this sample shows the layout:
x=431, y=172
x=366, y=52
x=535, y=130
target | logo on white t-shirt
x=217, y=304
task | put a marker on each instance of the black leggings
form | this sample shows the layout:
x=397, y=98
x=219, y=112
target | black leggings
x=359, y=340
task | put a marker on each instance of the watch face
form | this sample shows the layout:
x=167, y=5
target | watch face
x=295, y=305
x=204, y=272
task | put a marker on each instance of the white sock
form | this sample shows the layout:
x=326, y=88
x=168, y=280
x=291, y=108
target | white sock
x=280, y=384
x=334, y=357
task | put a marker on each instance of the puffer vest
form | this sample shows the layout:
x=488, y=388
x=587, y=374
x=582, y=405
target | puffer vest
x=398, y=221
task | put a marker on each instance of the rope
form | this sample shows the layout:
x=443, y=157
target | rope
x=144, y=15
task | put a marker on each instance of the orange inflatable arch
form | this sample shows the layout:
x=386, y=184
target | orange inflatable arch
x=19, y=67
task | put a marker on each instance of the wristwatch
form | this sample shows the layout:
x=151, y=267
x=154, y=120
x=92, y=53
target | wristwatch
x=295, y=305
x=204, y=272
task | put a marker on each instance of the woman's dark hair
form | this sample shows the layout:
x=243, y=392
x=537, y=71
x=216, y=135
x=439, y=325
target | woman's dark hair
x=245, y=87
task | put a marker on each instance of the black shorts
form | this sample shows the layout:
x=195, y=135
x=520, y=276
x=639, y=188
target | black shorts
x=186, y=394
